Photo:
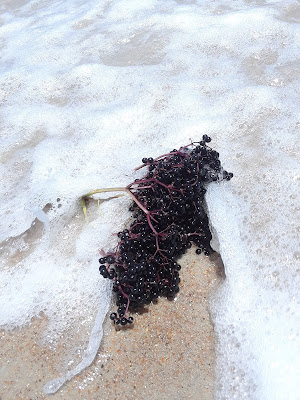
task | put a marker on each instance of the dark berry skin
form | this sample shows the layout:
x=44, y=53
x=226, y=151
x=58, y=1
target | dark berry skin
x=113, y=316
x=103, y=271
x=206, y=138
x=168, y=217
x=104, y=274
x=112, y=274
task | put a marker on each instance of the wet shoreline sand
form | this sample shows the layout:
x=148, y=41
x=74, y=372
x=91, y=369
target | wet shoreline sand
x=169, y=353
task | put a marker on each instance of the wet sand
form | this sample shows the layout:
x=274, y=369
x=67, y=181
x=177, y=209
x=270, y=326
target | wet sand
x=167, y=354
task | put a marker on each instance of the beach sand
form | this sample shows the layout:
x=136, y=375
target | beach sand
x=167, y=354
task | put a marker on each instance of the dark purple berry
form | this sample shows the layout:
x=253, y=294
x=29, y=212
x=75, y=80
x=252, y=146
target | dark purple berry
x=172, y=192
x=113, y=316
x=110, y=260
x=206, y=138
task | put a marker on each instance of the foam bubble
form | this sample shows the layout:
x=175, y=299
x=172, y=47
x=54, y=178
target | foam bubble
x=256, y=318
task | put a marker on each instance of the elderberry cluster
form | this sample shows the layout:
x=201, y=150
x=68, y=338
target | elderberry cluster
x=168, y=217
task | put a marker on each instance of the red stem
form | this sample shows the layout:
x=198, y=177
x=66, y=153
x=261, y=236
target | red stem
x=127, y=297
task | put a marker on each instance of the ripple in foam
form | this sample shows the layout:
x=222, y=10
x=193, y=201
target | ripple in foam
x=256, y=326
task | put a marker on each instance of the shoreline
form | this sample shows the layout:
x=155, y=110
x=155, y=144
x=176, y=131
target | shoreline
x=168, y=353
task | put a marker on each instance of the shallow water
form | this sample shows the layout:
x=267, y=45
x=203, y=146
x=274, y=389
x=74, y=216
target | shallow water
x=87, y=90
x=168, y=353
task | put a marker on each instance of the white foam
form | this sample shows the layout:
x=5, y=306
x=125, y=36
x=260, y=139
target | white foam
x=257, y=326
x=86, y=91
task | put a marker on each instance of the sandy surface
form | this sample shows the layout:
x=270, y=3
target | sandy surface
x=167, y=354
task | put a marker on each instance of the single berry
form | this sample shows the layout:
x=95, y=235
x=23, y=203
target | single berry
x=113, y=316
x=110, y=260
x=112, y=274
x=206, y=138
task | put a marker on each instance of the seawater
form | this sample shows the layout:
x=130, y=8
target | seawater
x=89, y=88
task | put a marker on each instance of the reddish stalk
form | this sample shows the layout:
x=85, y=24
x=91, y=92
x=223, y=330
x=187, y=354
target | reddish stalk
x=127, y=297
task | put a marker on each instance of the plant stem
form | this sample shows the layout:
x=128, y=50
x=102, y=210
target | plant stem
x=117, y=189
x=82, y=199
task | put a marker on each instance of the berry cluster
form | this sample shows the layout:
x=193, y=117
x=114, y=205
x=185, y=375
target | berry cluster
x=168, y=216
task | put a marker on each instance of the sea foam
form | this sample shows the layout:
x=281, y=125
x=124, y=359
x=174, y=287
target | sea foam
x=89, y=88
